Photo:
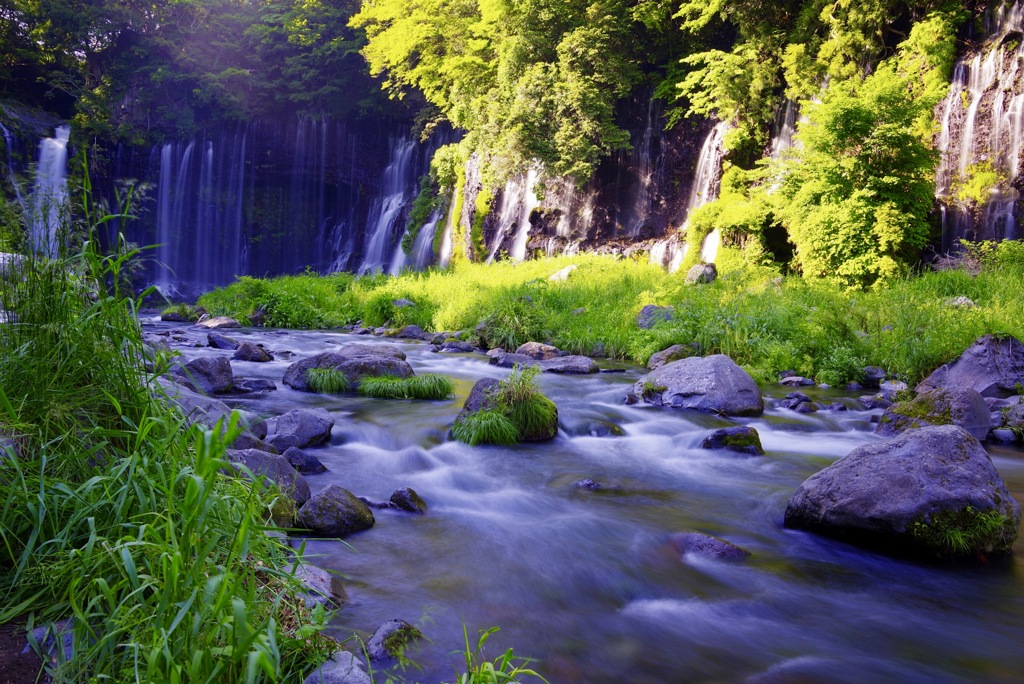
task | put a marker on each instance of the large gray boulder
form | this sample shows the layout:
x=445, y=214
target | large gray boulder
x=932, y=491
x=962, y=406
x=275, y=470
x=247, y=351
x=301, y=428
x=218, y=341
x=711, y=383
x=993, y=366
x=203, y=410
x=210, y=374
x=335, y=512
x=355, y=361
x=651, y=315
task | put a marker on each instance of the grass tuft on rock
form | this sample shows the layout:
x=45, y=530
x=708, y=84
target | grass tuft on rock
x=965, y=533
x=429, y=387
x=488, y=426
x=327, y=381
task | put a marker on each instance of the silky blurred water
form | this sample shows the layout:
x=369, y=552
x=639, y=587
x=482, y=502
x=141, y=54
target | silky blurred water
x=586, y=581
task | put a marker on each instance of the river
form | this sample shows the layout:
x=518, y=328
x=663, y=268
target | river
x=586, y=580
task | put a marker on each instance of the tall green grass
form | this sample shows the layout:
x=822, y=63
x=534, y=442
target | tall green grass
x=429, y=386
x=116, y=515
x=767, y=322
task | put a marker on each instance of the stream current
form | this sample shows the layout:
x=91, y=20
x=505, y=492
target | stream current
x=586, y=581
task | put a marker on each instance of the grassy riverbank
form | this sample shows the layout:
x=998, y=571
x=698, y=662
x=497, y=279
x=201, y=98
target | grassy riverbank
x=119, y=523
x=765, y=321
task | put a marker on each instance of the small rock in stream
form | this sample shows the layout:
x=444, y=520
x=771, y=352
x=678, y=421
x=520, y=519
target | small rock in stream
x=390, y=640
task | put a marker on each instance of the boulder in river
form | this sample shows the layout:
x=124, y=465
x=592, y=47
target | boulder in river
x=247, y=351
x=301, y=428
x=483, y=397
x=993, y=366
x=741, y=438
x=390, y=640
x=355, y=361
x=707, y=546
x=209, y=374
x=409, y=332
x=322, y=587
x=962, y=406
x=335, y=512
x=304, y=462
x=342, y=668
x=538, y=351
x=275, y=469
x=406, y=499
x=218, y=341
x=711, y=383
x=928, y=492
x=218, y=322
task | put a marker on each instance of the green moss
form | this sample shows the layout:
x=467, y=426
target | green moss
x=933, y=407
x=488, y=426
x=483, y=203
x=649, y=390
x=965, y=532
x=396, y=641
x=186, y=311
x=742, y=442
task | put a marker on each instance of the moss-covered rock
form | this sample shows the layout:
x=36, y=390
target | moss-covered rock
x=964, y=407
x=741, y=438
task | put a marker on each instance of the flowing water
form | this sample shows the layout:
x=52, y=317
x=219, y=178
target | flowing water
x=586, y=580
x=50, y=195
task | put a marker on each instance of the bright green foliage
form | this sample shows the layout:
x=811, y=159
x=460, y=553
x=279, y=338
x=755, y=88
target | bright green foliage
x=186, y=311
x=117, y=515
x=980, y=180
x=534, y=415
x=855, y=197
x=306, y=301
x=505, y=669
x=488, y=426
x=327, y=381
x=533, y=81
x=839, y=366
x=514, y=321
x=417, y=387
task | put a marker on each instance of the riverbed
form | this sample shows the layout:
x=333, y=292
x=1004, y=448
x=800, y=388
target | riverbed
x=586, y=581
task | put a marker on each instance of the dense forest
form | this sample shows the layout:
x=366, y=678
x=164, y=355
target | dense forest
x=542, y=85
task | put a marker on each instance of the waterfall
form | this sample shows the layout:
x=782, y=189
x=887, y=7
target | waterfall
x=704, y=189
x=397, y=188
x=644, y=169
x=982, y=123
x=423, y=247
x=518, y=200
x=50, y=196
x=10, y=145
x=201, y=212
x=444, y=258
x=784, y=129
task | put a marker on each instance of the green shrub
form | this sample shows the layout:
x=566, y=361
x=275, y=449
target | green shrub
x=186, y=311
x=488, y=426
x=327, y=381
x=841, y=366
x=505, y=669
x=417, y=387
x=534, y=415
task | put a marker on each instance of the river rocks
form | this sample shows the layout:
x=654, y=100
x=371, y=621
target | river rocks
x=254, y=385
x=707, y=546
x=796, y=381
x=931, y=491
x=409, y=332
x=712, y=383
x=322, y=587
x=209, y=374
x=275, y=469
x=963, y=407
x=653, y=314
x=335, y=512
x=873, y=377
x=741, y=438
x=406, y=499
x=302, y=428
x=303, y=462
x=342, y=668
x=673, y=353
x=218, y=323
x=390, y=640
x=355, y=361
x=701, y=274
x=481, y=397
x=456, y=346
x=538, y=351
x=505, y=359
x=218, y=341
x=570, y=365
x=247, y=351
x=993, y=365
